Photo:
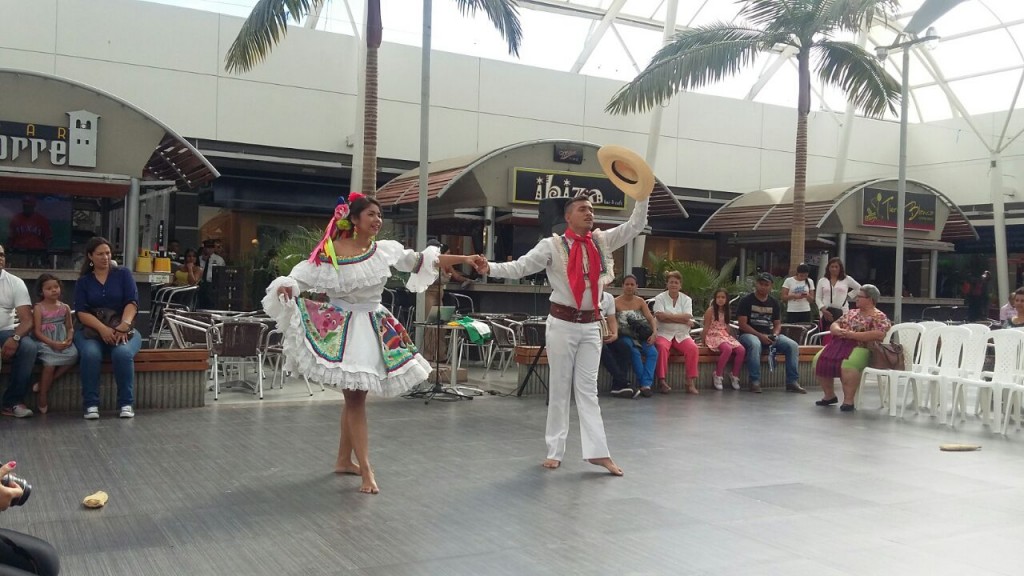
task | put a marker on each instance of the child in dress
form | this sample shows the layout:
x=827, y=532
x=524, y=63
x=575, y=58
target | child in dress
x=53, y=329
x=717, y=337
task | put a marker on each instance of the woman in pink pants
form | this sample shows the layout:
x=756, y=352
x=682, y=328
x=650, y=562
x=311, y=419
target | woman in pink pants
x=717, y=337
x=674, y=312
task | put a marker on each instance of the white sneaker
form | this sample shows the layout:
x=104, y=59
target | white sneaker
x=717, y=380
x=18, y=411
x=92, y=413
x=735, y=382
x=127, y=412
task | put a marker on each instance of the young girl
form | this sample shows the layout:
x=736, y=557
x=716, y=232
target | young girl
x=53, y=330
x=717, y=337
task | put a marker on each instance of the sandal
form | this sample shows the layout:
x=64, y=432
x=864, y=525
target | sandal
x=664, y=388
x=827, y=401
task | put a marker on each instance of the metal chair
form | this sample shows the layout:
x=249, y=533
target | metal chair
x=237, y=343
x=178, y=297
x=506, y=338
x=463, y=303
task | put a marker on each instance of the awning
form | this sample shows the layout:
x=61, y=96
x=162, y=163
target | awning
x=910, y=243
x=445, y=174
x=771, y=210
x=126, y=142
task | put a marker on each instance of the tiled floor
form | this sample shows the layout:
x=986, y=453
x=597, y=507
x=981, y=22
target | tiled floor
x=727, y=483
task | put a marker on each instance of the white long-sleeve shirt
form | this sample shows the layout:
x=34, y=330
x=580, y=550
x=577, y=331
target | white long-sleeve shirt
x=542, y=257
x=837, y=296
x=673, y=331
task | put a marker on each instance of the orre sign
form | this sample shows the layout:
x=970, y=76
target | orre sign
x=530, y=186
x=878, y=209
x=71, y=145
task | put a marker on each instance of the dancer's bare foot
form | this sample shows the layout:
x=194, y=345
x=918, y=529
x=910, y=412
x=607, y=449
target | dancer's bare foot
x=350, y=468
x=369, y=484
x=607, y=463
x=551, y=463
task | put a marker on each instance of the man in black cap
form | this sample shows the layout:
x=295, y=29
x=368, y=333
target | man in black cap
x=760, y=319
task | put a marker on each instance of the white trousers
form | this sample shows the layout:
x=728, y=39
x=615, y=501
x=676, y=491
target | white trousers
x=574, y=356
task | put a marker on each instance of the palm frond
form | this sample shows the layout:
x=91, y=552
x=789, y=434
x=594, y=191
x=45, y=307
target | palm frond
x=852, y=15
x=859, y=75
x=764, y=13
x=504, y=14
x=266, y=25
x=694, y=58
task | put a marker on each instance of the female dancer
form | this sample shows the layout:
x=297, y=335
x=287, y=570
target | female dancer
x=349, y=339
x=717, y=337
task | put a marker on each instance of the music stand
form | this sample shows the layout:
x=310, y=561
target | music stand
x=541, y=343
x=437, y=391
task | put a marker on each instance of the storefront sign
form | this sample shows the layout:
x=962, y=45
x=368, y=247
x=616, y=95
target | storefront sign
x=568, y=153
x=71, y=145
x=878, y=209
x=530, y=186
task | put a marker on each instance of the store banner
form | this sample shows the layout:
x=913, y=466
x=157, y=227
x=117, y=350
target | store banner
x=878, y=209
x=530, y=186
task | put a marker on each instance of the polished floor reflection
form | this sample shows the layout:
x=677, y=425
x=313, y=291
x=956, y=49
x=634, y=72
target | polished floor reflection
x=726, y=483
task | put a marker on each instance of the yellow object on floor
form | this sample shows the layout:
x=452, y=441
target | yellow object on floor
x=959, y=447
x=97, y=500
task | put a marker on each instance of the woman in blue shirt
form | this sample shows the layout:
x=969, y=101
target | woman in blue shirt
x=102, y=285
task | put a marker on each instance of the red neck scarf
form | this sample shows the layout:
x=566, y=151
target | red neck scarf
x=577, y=282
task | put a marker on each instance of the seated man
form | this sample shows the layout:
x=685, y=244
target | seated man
x=615, y=353
x=760, y=319
x=18, y=347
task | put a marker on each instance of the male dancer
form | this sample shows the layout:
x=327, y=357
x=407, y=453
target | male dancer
x=579, y=266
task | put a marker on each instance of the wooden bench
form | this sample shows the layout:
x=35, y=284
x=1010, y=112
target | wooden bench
x=708, y=361
x=163, y=379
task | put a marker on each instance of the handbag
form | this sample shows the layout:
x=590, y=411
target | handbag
x=640, y=328
x=836, y=313
x=886, y=356
x=108, y=316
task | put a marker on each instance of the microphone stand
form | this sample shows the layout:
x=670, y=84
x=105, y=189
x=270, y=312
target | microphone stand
x=437, y=391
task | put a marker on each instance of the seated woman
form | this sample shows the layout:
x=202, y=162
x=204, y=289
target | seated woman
x=718, y=338
x=105, y=293
x=1016, y=320
x=637, y=327
x=847, y=355
x=189, y=273
x=674, y=311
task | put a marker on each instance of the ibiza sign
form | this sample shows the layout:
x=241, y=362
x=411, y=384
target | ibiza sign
x=530, y=186
x=44, y=145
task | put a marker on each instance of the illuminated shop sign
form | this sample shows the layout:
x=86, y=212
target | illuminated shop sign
x=71, y=145
x=530, y=186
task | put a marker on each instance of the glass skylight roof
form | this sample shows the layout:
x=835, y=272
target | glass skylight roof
x=979, y=61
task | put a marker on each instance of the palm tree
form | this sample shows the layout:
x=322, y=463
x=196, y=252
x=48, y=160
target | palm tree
x=699, y=56
x=267, y=25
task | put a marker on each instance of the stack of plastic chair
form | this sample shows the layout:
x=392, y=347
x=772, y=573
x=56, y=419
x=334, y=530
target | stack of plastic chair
x=927, y=384
x=1005, y=375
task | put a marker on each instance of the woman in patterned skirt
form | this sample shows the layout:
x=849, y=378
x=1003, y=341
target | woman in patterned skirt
x=344, y=336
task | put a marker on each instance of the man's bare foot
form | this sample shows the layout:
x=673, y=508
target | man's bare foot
x=608, y=464
x=350, y=468
x=369, y=484
x=551, y=463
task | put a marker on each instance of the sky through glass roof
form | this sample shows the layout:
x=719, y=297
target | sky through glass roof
x=976, y=68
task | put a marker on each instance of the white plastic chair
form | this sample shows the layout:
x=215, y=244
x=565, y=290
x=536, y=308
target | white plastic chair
x=952, y=340
x=907, y=334
x=1006, y=372
x=972, y=363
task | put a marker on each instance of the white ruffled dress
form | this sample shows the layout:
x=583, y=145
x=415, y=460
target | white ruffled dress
x=352, y=341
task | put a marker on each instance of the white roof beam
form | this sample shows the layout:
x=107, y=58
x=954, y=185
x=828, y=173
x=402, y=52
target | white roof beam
x=770, y=71
x=625, y=48
x=314, y=16
x=595, y=36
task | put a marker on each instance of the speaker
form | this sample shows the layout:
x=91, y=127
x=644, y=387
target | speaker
x=641, y=277
x=551, y=216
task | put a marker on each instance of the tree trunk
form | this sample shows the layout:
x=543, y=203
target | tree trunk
x=798, y=238
x=374, y=33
